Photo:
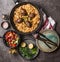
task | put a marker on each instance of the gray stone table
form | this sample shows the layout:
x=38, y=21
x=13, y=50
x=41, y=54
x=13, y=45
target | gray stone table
x=52, y=8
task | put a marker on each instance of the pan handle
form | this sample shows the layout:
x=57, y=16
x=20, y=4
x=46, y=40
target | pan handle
x=16, y=1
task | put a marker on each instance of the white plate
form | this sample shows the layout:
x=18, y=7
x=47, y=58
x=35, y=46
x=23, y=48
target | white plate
x=43, y=47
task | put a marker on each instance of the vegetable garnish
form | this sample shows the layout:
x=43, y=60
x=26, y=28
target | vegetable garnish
x=27, y=52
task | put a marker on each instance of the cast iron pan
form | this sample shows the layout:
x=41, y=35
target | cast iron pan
x=5, y=42
x=12, y=14
x=28, y=39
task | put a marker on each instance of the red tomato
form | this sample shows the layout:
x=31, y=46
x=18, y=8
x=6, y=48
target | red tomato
x=14, y=45
x=9, y=37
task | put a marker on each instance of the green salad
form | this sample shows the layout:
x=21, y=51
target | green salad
x=28, y=53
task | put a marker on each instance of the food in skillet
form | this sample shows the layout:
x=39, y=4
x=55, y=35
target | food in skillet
x=26, y=18
x=12, y=39
x=26, y=52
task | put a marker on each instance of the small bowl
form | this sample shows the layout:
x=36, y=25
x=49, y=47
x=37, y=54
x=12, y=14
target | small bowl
x=5, y=42
x=5, y=25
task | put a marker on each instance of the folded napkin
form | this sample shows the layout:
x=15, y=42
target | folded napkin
x=48, y=23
